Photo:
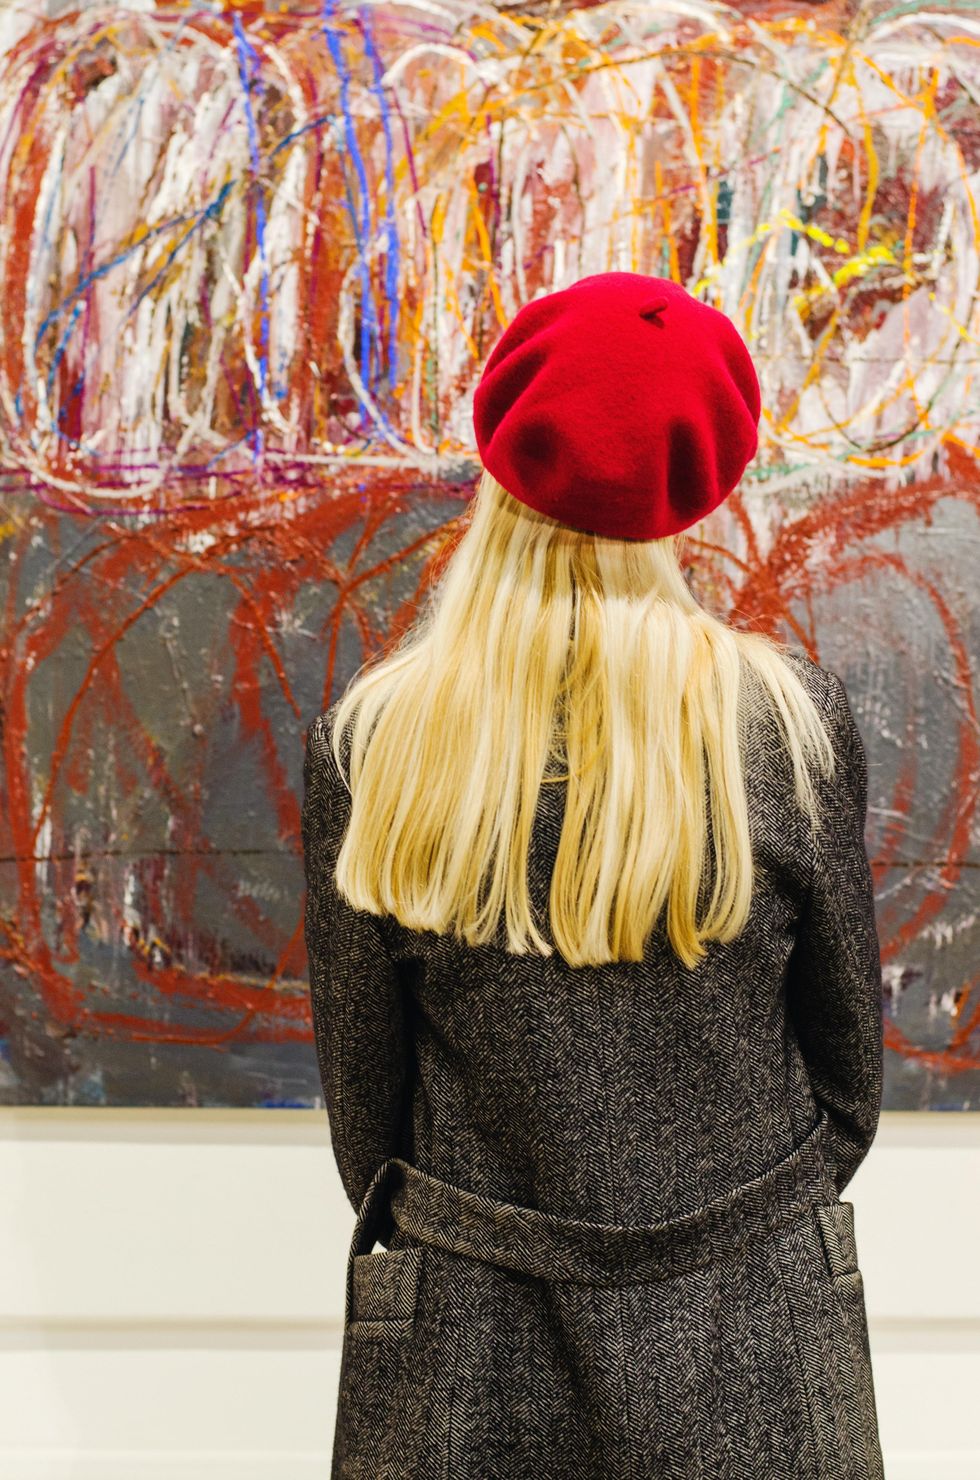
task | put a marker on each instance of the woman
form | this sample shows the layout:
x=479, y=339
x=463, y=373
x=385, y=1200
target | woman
x=595, y=977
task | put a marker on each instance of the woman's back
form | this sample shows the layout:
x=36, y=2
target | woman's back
x=632, y=1091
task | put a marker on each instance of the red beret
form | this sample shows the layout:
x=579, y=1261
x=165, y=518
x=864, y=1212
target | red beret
x=620, y=405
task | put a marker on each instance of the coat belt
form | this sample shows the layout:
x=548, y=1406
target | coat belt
x=533, y=1242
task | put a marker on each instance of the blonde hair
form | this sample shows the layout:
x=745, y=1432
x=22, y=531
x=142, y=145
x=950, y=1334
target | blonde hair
x=542, y=644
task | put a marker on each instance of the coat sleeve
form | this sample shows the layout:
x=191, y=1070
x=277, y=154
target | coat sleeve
x=833, y=980
x=356, y=993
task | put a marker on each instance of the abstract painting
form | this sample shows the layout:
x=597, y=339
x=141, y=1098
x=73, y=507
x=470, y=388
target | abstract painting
x=252, y=261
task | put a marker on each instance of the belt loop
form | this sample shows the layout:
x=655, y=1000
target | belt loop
x=374, y=1223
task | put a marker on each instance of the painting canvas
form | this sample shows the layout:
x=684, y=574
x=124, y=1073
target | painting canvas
x=252, y=261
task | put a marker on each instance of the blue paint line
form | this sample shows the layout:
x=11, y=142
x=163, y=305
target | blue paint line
x=369, y=321
x=209, y=213
x=248, y=76
x=305, y=129
x=224, y=451
x=362, y=227
x=393, y=245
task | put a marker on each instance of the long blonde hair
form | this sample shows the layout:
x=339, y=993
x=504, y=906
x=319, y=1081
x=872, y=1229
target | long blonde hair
x=541, y=644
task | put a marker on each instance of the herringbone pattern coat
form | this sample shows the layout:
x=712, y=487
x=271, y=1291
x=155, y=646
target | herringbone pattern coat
x=485, y=1338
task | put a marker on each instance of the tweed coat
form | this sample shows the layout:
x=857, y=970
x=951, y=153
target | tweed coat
x=518, y=1112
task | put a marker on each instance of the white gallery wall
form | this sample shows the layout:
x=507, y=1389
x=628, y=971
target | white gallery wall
x=171, y=1293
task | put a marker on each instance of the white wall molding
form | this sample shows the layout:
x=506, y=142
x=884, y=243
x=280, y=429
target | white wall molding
x=171, y=1290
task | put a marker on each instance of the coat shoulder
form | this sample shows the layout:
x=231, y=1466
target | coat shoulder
x=319, y=737
x=819, y=680
x=825, y=687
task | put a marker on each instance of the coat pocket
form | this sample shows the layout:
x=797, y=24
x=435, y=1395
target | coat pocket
x=383, y=1293
x=825, y=1291
x=376, y=1363
x=835, y=1221
x=835, y=1224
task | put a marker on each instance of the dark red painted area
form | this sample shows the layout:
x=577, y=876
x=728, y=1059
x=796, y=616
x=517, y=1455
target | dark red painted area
x=269, y=552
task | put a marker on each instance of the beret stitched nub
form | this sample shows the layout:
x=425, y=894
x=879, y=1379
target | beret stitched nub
x=620, y=405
